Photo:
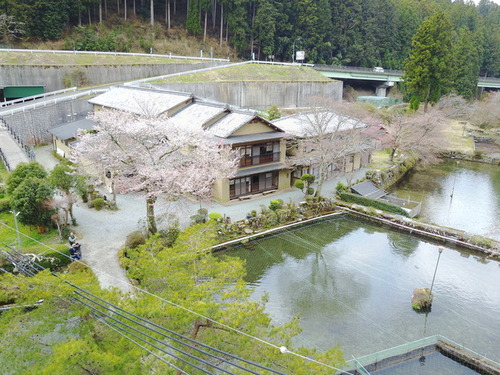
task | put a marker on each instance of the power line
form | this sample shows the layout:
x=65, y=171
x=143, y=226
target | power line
x=282, y=349
x=114, y=307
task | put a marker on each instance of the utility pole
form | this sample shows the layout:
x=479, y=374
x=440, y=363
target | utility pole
x=15, y=213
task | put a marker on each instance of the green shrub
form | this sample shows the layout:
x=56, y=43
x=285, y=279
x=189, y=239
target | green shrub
x=169, y=236
x=200, y=217
x=402, y=169
x=135, y=239
x=341, y=187
x=478, y=155
x=354, y=198
x=299, y=184
x=98, y=203
x=5, y=205
x=215, y=216
x=310, y=191
x=276, y=204
x=55, y=260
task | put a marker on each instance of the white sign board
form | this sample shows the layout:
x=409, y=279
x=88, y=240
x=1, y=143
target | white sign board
x=300, y=55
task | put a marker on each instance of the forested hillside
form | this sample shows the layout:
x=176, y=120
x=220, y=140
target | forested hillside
x=341, y=32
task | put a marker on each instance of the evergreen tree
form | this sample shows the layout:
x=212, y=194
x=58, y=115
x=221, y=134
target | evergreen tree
x=428, y=70
x=467, y=60
x=32, y=199
x=22, y=172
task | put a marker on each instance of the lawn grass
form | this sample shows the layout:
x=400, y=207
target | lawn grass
x=31, y=239
x=380, y=160
x=455, y=134
x=253, y=73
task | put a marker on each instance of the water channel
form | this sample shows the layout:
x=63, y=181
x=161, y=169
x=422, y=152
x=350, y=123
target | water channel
x=351, y=281
x=457, y=194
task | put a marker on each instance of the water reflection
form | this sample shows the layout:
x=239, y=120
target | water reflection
x=457, y=194
x=351, y=283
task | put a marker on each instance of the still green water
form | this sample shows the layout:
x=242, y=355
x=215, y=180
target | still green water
x=457, y=194
x=351, y=283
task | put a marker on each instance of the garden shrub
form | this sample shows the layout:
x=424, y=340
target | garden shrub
x=55, y=260
x=341, y=187
x=5, y=205
x=299, y=184
x=135, y=239
x=200, y=217
x=276, y=204
x=478, y=155
x=215, y=216
x=354, y=198
x=169, y=236
x=98, y=203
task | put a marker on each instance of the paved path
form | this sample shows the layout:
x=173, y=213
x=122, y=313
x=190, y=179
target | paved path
x=10, y=148
x=103, y=233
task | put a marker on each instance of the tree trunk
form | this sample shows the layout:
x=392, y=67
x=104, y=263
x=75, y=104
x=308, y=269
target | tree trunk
x=152, y=9
x=125, y=10
x=427, y=95
x=167, y=13
x=205, y=27
x=393, y=153
x=100, y=11
x=321, y=180
x=214, y=14
x=150, y=214
x=221, y=23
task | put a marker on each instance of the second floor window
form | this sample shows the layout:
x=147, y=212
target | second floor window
x=261, y=153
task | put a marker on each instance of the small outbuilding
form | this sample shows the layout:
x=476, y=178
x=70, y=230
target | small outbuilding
x=64, y=135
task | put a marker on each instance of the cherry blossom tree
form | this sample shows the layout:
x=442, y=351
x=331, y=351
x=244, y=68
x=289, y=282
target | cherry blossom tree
x=327, y=138
x=417, y=134
x=153, y=156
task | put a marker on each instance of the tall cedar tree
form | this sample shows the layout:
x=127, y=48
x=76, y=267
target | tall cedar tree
x=428, y=70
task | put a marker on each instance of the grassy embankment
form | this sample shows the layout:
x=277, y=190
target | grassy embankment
x=253, y=73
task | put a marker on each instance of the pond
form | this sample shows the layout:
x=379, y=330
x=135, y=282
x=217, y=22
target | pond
x=457, y=194
x=351, y=283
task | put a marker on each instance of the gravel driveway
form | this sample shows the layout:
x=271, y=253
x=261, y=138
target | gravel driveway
x=103, y=233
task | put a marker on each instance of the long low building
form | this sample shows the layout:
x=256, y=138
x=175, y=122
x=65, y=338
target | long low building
x=260, y=144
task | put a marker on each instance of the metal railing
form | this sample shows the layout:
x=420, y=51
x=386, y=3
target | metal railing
x=45, y=103
x=72, y=52
x=38, y=96
x=247, y=161
x=357, y=69
x=28, y=150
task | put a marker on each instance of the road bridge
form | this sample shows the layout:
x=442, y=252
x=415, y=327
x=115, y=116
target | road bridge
x=384, y=75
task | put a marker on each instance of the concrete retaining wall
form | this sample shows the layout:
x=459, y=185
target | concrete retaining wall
x=58, y=77
x=31, y=126
x=261, y=95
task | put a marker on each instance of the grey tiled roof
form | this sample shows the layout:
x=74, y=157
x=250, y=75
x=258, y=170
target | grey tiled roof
x=300, y=124
x=197, y=114
x=140, y=101
x=230, y=123
x=68, y=131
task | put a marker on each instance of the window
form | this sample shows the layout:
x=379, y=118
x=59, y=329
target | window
x=260, y=153
x=253, y=184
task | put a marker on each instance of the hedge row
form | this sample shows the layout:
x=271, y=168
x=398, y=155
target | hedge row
x=370, y=202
